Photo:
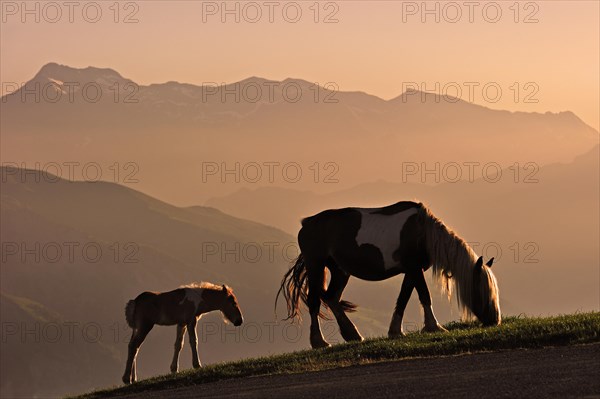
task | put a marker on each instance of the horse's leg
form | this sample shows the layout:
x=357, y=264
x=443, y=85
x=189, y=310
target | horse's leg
x=178, y=346
x=431, y=323
x=191, y=327
x=137, y=337
x=396, y=324
x=332, y=298
x=316, y=280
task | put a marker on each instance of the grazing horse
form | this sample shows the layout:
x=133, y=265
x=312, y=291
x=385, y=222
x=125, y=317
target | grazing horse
x=378, y=243
x=183, y=307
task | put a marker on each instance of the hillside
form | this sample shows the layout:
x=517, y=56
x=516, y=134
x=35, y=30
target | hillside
x=45, y=351
x=462, y=338
x=134, y=243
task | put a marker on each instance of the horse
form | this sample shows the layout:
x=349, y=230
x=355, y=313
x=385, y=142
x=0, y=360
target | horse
x=183, y=307
x=375, y=244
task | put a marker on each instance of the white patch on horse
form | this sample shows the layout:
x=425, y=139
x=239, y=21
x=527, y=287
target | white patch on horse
x=383, y=232
x=193, y=295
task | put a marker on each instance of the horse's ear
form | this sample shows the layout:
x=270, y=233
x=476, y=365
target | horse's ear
x=479, y=263
x=490, y=262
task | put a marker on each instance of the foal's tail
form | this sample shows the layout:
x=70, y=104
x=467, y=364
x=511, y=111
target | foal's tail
x=294, y=287
x=129, y=312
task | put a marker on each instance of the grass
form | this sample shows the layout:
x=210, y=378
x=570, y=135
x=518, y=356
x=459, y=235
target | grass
x=515, y=332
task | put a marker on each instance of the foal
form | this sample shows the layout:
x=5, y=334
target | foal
x=182, y=307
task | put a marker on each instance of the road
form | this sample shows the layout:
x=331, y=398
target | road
x=561, y=372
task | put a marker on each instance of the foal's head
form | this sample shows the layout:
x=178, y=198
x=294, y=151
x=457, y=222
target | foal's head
x=229, y=306
x=485, y=299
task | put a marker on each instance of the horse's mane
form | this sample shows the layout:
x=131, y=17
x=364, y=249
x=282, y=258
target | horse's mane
x=452, y=261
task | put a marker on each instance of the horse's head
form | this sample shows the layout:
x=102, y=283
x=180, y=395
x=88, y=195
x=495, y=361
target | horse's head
x=230, y=307
x=485, y=303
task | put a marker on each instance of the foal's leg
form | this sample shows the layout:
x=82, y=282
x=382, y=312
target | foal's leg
x=332, y=298
x=405, y=292
x=129, y=364
x=316, y=280
x=134, y=370
x=137, y=337
x=178, y=345
x=191, y=327
x=431, y=323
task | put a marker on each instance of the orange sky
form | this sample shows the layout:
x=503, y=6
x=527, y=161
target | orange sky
x=375, y=46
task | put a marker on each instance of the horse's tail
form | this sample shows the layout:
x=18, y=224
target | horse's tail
x=348, y=306
x=130, y=312
x=294, y=287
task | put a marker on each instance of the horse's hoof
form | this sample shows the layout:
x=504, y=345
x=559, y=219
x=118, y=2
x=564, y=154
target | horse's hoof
x=353, y=337
x=318, y=343
x=197, y=366
x=435, y=328
x=396, y=334
x=126, y=380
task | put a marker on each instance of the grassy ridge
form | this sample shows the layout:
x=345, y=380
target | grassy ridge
x=515, y=332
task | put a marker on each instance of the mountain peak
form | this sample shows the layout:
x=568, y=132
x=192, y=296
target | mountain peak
x=64, y=73
x=419, y=96
x=52, y=67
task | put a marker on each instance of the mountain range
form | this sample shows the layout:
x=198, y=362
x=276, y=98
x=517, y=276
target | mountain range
x=171, y=130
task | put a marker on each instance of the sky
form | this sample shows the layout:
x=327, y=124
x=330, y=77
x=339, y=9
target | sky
x=526, y=56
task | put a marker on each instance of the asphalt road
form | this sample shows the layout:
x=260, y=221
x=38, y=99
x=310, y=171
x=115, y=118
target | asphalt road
x=560, y=372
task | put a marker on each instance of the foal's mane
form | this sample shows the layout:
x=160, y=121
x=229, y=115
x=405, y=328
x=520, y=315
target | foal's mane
x=204, y=285
x=451, y=258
